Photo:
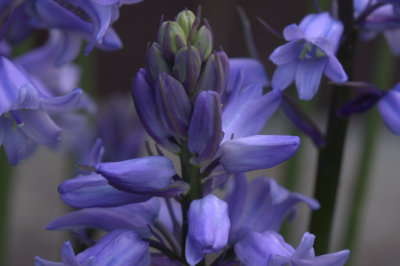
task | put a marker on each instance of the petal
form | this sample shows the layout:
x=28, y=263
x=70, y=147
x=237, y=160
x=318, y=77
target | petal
x=253, y=72
x=308, y=76
x=257, y=152
x=138, y=175
x=134, y=217
x=284, y=75
x=334, y=70
x=292, y=32
x=389, y=109
x=246, y=112
x=62, y=103
x=68, y=255
x=119, y=247
x=286, y=53
x=257, y=248
x=93, y=190
x=204, y=133
x=193, y=254
x=38, y=125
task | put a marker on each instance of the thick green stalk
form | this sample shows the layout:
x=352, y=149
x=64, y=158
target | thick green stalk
x=5, y=183
x=383, y=72
x=191, y=175
x=330, y=156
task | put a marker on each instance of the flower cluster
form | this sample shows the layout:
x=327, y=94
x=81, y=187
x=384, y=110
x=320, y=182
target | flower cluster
x=206, y=110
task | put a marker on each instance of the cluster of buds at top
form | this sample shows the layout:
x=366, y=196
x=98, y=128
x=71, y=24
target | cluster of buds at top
x=179, y=67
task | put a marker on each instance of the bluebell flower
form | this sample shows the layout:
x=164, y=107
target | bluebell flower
x=383, y=19
x=309, y=53
x=389, y=109
x=260, y=205
x=24, y=117
x=208, y=228
x=269, y=248
x=80, y=20
x=119, y=247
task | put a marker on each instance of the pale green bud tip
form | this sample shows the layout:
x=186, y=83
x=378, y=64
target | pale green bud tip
x=171, y=38
x=203, y=41
x=186, y=19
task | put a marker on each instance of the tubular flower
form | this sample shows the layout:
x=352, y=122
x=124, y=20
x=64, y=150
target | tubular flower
x=309, y=53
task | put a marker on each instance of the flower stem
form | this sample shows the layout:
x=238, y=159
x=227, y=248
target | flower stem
x=383, y=75
x=330, y=156
x=190, y=174
x=5, y=183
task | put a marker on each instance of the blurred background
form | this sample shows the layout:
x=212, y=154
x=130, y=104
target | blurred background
x=34, y=198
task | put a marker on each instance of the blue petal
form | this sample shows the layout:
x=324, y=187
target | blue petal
x=389, y=109
x=68, y=255
x=334, y=70
x=247, y=111
x=204, y=134
x=253, y=72
x=308, y=76
x=257, y=152
x=119, y=247
x=284, y=75
x=208, y=227
x=286, y=53
x=292, y=32
x=142, y=175
x=257, y=248
x=62, y=103
x=146, y=108
x=173, y=104
x=38, y=125
x=93, y=190
x=134, y=217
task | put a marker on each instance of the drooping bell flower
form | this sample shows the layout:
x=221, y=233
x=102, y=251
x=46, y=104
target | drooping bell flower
x=119, y=247
x=208, y=229
x=309, y=53
x=24, y=117
x=269, y=248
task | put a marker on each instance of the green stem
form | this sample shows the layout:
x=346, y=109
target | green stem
x=5, y=184
x=383, y=73
x=330, y=156
x=191, y=175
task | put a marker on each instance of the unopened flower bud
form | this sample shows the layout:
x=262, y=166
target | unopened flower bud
x=185, y=19
x=155, y=63
x=214, y=74
x=203, y=41
x=187, y=67
x=171, y=37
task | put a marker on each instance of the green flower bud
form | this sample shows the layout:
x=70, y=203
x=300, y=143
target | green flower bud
x=171, y=38
x=187, y=67
x=186, y=19
x=155, y=63
x=203, y=41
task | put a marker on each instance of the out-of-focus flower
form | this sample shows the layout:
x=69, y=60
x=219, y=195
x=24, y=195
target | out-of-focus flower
x=208, y=228
x=389, y=109
x=384, y=18
x=24, y=118
x=269, y=248
x=309, y=53
x=119, y=247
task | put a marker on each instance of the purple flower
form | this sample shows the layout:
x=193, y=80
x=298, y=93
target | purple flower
x=309, y=53
x=383, y=19
x=119, y=247
x=24, y=117
x=208, y=228
x=389, y=109
x=260, y=205
x=269, y=248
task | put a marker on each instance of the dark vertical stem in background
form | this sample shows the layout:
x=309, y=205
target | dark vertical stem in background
x=5, y=184
x=383, y=72
x=330, y=156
